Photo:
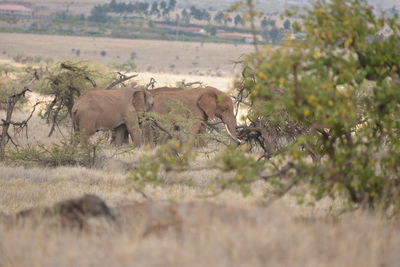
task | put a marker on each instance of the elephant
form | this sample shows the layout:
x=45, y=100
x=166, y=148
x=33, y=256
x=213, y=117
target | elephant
x=100, y=109
x=204, y=103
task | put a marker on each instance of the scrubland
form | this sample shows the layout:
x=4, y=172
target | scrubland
x=202, y=59
x=179, y=225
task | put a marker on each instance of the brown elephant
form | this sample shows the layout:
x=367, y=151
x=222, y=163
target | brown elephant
x=100, y=109
x=204, y=103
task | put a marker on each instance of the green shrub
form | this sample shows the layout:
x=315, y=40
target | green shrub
x=128, y=65
x=176, y=124
x=58, y=154
x=339, y=84
x=65, y=82
x=342, y=83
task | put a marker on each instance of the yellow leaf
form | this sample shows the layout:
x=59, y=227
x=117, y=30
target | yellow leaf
x=296, y=154
x=330, y=36
x=262, y=75
x=348, y=42
x=281, y=80
x=318, y=54
x=288, y=43
x=311, y=98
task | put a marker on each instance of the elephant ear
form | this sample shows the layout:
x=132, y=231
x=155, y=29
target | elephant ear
x=138, y=100
x=148, y=100
x=208, y=103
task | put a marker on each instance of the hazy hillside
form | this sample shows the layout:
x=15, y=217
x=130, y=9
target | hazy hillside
x=268, y=6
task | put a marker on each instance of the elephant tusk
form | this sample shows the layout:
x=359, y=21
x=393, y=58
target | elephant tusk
x=231, y=135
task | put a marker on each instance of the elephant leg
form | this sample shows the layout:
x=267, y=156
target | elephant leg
x=120, y=135
x=148, y=133
x=132, y=124
x=199, y=129
x=86, y=130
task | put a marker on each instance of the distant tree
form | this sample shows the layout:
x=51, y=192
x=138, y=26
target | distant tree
x=185, y=16
x=163, y=5
x=113, y=5
x=212, y=30
x=99, y=14
x=287, y=24
x=206, y=16
x=200, y=14
x=154, y=8
x=238, y=20
x=130, y=8
x=171, y=4
x=275, y=35
x=264, y=22
x=166, y=12
x=143, y=7
x=272, y=22
x=227, y=20
x=219, y=17
x=120, y=8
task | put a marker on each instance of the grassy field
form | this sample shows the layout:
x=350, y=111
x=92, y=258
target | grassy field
x=205, y=59
x=191, y=230
x=178, y=225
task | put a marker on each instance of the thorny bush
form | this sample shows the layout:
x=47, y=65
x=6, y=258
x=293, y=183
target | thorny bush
x=335, y=93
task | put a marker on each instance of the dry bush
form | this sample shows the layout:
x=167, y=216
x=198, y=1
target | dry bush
x=176, y=124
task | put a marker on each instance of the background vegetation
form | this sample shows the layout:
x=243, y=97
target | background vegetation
x=320, y=127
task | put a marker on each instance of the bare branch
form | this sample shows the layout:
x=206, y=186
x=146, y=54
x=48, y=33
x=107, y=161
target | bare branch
x=190, y=84
x=72, y=68
x=151, y=83
x=122, y=78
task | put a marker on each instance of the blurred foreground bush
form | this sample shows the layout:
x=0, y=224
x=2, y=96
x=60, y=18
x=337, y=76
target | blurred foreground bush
x=340, y=82
x=334, y=94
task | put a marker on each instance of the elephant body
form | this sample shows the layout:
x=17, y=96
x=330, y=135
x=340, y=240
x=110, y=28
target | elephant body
x=100, y=109
x=204, y=103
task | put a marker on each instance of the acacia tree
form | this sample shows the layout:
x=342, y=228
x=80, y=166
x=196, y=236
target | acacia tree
x=341, y=82
x=337, y=90
x=65, y=82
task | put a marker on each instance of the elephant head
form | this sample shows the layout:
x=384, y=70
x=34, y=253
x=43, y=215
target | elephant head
x=215, y=103
x=142, y=99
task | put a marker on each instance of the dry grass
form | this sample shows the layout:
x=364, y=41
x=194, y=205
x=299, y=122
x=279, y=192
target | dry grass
x=179, y=227
x=206, y=59
x=183, y=230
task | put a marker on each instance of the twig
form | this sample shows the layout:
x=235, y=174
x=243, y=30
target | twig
x=123, y=78
x=193, y=169
x=143, y=194
x=155, y=123
x=191, y=83
x=215, y=194
x=64, y=65
x=265, y=176
x=151, y=83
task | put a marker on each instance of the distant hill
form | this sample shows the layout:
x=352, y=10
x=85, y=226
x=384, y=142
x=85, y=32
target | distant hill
x=267, y=6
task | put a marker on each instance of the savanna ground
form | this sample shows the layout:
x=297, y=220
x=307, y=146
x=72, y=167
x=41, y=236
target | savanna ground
x=223, y=230
x=205, y=59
